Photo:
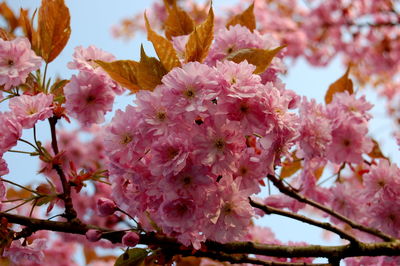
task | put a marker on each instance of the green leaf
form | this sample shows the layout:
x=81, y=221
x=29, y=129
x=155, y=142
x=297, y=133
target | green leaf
x=132, y=257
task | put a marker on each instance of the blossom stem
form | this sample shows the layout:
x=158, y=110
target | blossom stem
x=304, y=219
x=44, y=75
x=18, y=185
x=27, y=142
x=170, y=244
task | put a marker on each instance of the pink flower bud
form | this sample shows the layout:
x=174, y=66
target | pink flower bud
x=93, y=235
x=105, y=207
x=130, y=239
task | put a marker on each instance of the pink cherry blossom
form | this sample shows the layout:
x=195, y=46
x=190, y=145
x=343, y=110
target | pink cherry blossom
x=382, y=179
x=3, y=167
x=84, y=60
x=349, y=141
x=315, y=130
x=88, y=98
x=17, y=60
x=29, y=109
x=105, y=206
x=10, y=131
x=123, y=142
x=130, y=239
x=93, y=235
x=169, y=155
x=23, y=254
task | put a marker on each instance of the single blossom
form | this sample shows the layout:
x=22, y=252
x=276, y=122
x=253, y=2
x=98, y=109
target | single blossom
x=23, y=254
x=93, y=235
x=10, y=131
x=88, y=98
x=130, y=239
x=17, y=60
x=106, y=206
x=29, y=109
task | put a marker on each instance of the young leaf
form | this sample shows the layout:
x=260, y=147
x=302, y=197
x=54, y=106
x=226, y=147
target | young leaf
x=200, y=40
x=123, y=72
x=376, y=151
x=53, y=28
x=163, y=47
x=26, y=24
x=9, y=16
x=149, y=71
x=5, y=35
x=344, y=83
x=178, y=22
x=246, y=19
x=132, y=257
x=259, y=57
x=290, y=167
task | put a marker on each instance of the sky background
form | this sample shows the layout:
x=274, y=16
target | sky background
x=91, y=22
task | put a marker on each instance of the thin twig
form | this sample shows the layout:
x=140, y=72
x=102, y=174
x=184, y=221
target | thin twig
x=293, y=194
x=70, y=212
x=304, y=219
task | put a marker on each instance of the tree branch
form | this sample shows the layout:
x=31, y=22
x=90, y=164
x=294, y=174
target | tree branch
x=293, y=194
x=70, y=212
x=304, y=219
x=151, y=238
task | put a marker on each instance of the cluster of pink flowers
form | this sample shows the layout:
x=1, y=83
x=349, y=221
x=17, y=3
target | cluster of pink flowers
x=90, y=94
x=187, y=155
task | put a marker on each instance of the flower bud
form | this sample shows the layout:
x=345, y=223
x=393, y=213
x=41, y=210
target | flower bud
x=130, y=239
x=105, y=207
x=93, y=235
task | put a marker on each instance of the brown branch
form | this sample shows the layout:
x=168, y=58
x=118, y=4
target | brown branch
x=239, y=259
x=336, y=252
x=293, y=194
x=70, y=212
x=304, y=219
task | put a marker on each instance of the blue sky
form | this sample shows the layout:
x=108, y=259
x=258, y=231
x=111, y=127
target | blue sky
x=91, y=21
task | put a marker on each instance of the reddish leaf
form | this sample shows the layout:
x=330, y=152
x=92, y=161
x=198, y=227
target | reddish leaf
x=376, y=152
x=53, y=28
x=26, y=24
x=246, y=19
x=5, y=35
x=149, y=72
x=259, y=57
x=200, y=40
x=123, y=72
x=163, y=47
x=341, y=85
x=9, y=16
x=178, y=22
x=290, y=166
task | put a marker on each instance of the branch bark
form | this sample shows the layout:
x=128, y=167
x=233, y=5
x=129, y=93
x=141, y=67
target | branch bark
x=337, y=252
x=304, y=219
x=70, y=212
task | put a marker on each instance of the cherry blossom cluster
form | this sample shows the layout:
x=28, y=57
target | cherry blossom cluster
x=364, y=33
